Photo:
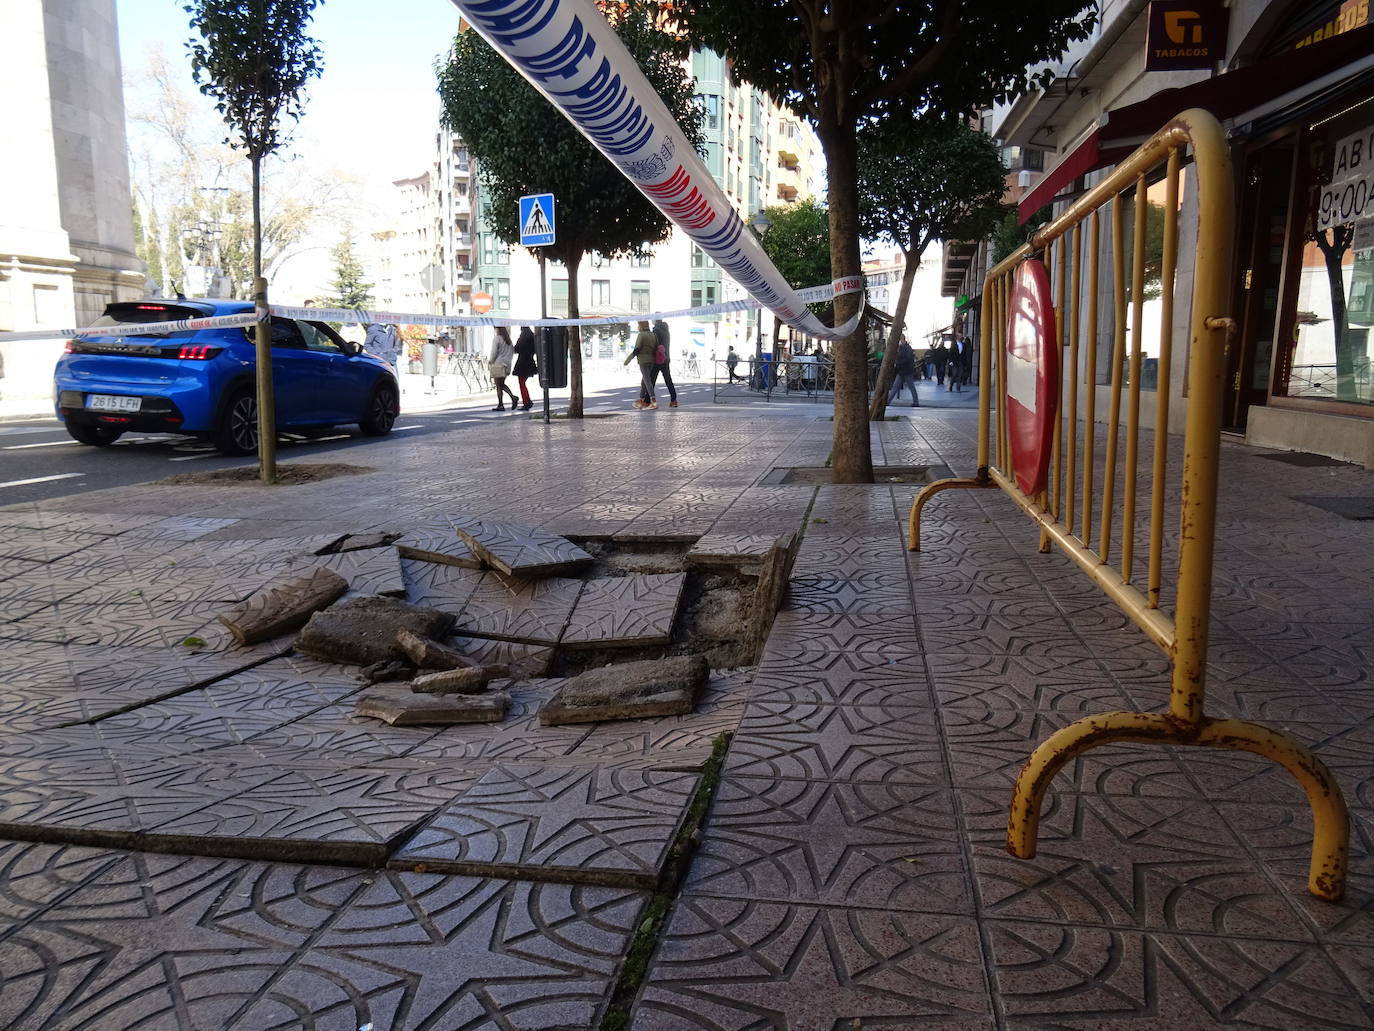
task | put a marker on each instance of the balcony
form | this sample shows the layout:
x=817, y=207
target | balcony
x=787, y=192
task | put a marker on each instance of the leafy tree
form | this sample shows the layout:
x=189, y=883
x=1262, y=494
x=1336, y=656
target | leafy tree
x=845, y=66
x=919, y=181
x=350, y=290
x=175, y=265
x=798, y=242
x=149, y=244
x=523, y=145
x=254, y=59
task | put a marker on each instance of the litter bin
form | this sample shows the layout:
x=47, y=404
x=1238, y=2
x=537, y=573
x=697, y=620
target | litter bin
x=429, y=359
x=553, y=358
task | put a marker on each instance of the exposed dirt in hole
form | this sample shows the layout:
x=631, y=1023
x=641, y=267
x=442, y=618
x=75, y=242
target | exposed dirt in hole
x=247, y=475
x=713, y=617
x=616, y=559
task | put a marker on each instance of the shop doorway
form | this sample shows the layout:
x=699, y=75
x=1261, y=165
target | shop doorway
x=1262, y=240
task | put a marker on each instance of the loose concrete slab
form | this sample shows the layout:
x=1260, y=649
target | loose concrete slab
x=625, y=611
x=284, y=606
x=731, y=550
x=547, y=823
x=373, y=571
x=437, y=542
x=520, y=550
x=363, y=630
x=427, y=654
x=528, y=611
x=659, y=687
x=402, y=707
x=457, y=681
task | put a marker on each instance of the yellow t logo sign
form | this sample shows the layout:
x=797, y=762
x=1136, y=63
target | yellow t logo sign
x=1178, y=23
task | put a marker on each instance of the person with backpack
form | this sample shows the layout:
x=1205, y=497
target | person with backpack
x=663, y=356
x=646, y=344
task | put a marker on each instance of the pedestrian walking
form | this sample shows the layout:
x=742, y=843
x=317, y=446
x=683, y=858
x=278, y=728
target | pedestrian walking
x=525, y=364
x=731, y=360
x=643, y=353
x=964, y=349
x=663, y=357
x=941, y=354
x=381, y=341
x=499, y=363
x=954, y=369
x=905, y=374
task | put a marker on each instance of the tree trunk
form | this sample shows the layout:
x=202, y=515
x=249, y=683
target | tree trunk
x=267, y=404
x=877, y=408
x=851, y=459
x=1334, y=253
x=574, y=261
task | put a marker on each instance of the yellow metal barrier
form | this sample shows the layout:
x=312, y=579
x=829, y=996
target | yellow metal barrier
x=1064, y=510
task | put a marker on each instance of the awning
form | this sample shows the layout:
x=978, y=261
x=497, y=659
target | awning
x=1086, y=157
x=1236, y=94
x=1230, y=97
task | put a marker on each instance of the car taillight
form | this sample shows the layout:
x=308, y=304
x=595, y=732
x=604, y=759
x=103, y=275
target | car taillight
x=71, y=346
x=198, y=352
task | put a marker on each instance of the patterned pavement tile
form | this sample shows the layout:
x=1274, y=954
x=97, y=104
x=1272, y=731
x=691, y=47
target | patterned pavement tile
x=1064, y=976
x=585, y=825
x=369, y=571
x=167, y=941
x=438, y=586
x=849, y=742
x=626, y=610
x=519, y=739
x=730, y=549
x=45, y=545
x=519, y=550
x=889, y=846
x=528, y=611
x=973, y=680
x=733, y=963
x=437, y=542
x=988, y=748
x=355, y=815
x=524, y=660
x=865, y=595
x=1157, y=864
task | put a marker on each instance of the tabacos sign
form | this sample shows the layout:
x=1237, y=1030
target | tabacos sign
x=1185, y=34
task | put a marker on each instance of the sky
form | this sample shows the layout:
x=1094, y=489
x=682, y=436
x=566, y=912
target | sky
x=373, y=111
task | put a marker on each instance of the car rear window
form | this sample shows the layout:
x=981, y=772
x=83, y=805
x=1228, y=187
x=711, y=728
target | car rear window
x=117, y=314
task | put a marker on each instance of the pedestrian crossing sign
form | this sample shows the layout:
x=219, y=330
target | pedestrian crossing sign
x=536, y=220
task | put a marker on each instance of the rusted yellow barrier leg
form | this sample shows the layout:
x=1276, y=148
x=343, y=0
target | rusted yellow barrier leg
x=913, y=531
x=1330, y=821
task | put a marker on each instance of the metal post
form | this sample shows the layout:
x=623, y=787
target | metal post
x=267, y=407
x=544, y=314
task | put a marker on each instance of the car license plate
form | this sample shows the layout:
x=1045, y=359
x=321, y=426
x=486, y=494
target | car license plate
x=113, y=403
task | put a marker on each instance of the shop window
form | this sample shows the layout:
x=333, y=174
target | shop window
x=1328, y=356
x=558, y=299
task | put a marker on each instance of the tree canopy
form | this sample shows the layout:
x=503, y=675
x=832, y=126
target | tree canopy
x=921, y=180
x=523, y=145
x=349, y=289
x=867, y=59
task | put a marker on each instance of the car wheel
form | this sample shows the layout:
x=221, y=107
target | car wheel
x=237, y=432
x=93, y=434
x=382, y=408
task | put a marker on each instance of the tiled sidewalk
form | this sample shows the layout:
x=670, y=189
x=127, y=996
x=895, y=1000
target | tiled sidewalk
x=851, y=873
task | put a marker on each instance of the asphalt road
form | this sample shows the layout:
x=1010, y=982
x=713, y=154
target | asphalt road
x=38, y=460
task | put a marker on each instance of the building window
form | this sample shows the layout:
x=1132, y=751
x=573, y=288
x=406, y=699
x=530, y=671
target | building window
x=640, y=260
x=501, y=300
x=601, y=293
x=598, y=260
x=696, y=297
x=709, y=104
x=700, y=259
x=558, y=302
x=639, y=295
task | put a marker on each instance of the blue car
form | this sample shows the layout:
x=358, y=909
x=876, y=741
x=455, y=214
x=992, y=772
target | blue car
x=201, y=382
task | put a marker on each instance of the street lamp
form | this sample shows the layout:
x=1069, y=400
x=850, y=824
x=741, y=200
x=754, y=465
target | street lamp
x=760, y=224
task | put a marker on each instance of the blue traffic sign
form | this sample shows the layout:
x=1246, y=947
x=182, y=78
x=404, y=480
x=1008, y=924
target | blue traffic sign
x=536, y=220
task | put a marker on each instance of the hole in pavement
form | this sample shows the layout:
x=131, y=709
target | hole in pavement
x=882, y=474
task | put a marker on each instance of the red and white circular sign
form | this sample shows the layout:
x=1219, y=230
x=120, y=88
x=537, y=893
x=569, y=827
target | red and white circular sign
x=1032, y=375
x=481, y=302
